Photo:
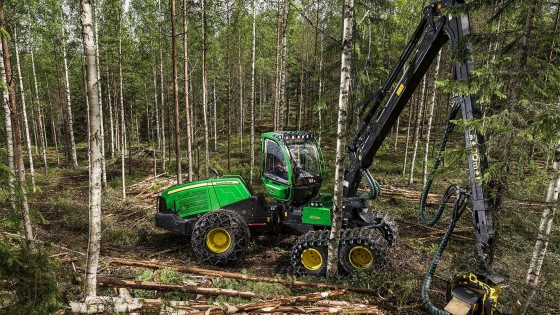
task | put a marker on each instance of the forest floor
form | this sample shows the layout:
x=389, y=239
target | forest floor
x=60, y=210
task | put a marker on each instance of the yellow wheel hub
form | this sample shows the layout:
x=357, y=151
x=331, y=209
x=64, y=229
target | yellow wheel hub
x=311, y=259
x=218, y=240
x=360, y=257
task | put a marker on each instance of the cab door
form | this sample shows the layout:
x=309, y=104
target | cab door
x=276, y=174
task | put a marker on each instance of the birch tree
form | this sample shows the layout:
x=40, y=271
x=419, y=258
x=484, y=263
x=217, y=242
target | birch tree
x=429, y=127
x=69, y=119
x=42, y=134
x=92, y=84
x=543, y=237
x=417, y=133
x=24, y=112
x=343, y=100
x=16, y=131
x=9, y=134
x=121, y=102
x=100, y=98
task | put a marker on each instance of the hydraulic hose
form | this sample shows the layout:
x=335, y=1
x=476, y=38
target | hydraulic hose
x=374, y=187
x=437, y=215
x=458, y=208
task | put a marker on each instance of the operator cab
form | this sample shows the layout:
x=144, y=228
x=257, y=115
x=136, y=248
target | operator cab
x=291, y=166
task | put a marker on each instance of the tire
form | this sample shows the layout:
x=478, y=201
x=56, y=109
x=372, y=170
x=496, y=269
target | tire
x=362, y=249
x=220, y=237
x=309, y=254
x=387, y=225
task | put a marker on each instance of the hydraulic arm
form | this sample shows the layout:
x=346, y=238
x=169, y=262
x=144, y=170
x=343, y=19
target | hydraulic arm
x=379, y=112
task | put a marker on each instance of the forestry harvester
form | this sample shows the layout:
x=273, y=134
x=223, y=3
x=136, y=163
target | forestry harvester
x=221, y=213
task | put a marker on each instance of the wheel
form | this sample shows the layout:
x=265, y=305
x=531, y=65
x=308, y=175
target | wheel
x=388, y=226
x=309, y=254
x=362, y=249
x=220, y=237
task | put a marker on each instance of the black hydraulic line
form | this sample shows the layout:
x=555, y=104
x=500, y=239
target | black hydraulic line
x=448, y=130
x=458, y=209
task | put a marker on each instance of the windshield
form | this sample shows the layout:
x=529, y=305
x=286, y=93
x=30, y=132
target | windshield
x=306, y=159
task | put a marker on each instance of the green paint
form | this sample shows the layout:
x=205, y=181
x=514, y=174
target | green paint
x=205, y=195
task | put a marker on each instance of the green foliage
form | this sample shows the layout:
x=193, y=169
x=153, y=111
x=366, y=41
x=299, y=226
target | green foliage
x=31, y=277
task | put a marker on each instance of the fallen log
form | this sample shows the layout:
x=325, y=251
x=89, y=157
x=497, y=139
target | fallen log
x=461, y=237
x=234, y=275
x=288, y=300
x=148, y=285
x=103, y=304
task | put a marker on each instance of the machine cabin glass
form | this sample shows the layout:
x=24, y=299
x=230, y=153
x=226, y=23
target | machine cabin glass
x=275, y=166
x=307, y=168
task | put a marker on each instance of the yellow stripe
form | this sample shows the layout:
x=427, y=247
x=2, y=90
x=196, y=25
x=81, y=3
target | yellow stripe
x=230, y=182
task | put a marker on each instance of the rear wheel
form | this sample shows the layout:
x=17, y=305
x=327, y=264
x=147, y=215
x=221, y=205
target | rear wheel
x=309, y=254
x=220, y=237
x=362, y=249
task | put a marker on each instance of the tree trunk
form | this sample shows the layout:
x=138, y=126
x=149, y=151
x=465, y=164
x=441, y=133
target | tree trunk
x=162, y=95
x=187, y=103
x=69, y=119
x=205, y=89
x=9, y=135
x=111, y=123
x=24, y=114
x=95, y=149
x=100, y=98
x=429, y=127
x=345, y=78
x=283, y=68
x=407, y=139
x=42, y=134
x=16, y=132
x=215, y=120
x=241, y=109
x=417, y=133
x=253, y=42
x=176, y=94
x=123, y=121
x=275, y=113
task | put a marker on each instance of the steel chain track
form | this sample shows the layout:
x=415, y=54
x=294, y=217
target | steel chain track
x=233, y=223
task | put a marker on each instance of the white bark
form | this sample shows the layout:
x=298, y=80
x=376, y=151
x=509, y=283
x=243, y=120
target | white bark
x=162, y=92
x=16, y=133
x=283, y=68
x=345, y=80
x=417, y=133
x=176, y=93
x=430, y=117
x=156, y=110
x=215, y=120
x=111, y=123
x=205, y=89
x=24, y=114
x=253, y=43
x=123, y=120
x=241, y=109
x=95, y=150
x=42, y=134
x=9, y=135
x=407, y=140
x=543, y=237
x=187, y=77
x=100, y=97
x=68, y=98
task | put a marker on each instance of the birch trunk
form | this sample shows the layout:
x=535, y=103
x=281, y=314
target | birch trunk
x=345, y=80
x=42, y=134
x=162, y=92
x=100, y=98
x=94, y=113
x=9, y=135
x=215, y=120
x=156, y=110
x=187, y=103
x=543, y=237
x=430, y=117
x=24, y=113
x=16, y=132
x=69, y=119
x=241, y=110
x=176, y=94
x=111, y=123
x=123, y=121
x=407, y=140
x=283, y=67
x=417, y=133
x=205, y=89
x=277, y=66
x=253, y=42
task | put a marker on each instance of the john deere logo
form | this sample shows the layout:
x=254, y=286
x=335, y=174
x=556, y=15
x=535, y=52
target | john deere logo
x=271, y=190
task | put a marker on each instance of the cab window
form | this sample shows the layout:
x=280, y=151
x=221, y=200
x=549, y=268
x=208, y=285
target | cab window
x=274, y=161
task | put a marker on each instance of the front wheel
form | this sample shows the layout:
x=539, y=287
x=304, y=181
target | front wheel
x=220, y=237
